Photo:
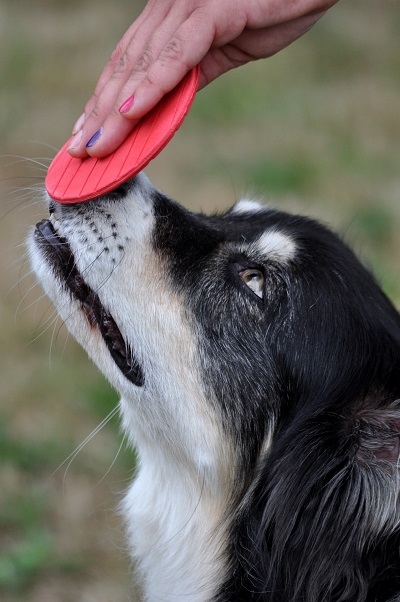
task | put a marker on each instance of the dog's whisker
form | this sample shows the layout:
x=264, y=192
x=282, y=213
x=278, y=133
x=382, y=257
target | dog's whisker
x=18, y=205
x=48, y=324
x=123, y=442
x=53, y=340
x=69, y=459
x=39, y=162
x=43, y=326
x=18, y=310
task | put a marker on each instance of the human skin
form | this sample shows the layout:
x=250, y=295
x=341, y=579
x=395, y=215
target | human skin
x=169, y=38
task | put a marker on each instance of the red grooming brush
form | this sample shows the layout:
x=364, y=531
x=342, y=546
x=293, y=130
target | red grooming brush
x=71, y=180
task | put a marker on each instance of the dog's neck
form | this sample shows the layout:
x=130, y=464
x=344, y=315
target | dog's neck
x=175, y=512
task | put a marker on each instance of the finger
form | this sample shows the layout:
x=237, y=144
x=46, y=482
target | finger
x=132, y=64
x=101, y=146
x=108, y=70
x=114, y=75
x=140, y=31
x=116, y=128
x=184, y=50
x=176, y=45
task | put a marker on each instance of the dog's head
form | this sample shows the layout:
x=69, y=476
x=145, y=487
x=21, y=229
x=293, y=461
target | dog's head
x=252, y=347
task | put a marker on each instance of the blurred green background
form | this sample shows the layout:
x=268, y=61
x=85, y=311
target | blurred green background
x=315, y=129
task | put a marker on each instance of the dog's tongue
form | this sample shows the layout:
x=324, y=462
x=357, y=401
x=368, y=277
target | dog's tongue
x=71, y=180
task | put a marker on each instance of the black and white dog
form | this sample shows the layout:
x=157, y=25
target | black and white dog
x=259, y=368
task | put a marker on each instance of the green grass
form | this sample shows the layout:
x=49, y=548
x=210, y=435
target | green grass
x=28, y=549
x=274, y=176
x=29, y=456
x=25, y=560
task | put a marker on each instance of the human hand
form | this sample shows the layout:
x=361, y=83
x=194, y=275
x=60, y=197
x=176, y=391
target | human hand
x=166, y=41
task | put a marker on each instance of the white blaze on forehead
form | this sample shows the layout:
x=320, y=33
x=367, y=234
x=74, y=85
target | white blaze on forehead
x=276, y=245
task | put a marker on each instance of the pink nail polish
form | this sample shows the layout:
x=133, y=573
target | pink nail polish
x=127, y=105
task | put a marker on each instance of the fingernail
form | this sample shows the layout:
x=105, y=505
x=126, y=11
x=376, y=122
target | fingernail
x=124, y=108
x=76, y=140
x=94, y=138
x=78, y=125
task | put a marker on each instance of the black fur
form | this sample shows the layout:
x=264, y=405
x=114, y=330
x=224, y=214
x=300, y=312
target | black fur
x=304, y=379
x=316, y=517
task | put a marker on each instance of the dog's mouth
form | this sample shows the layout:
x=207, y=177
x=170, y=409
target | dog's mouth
x=59, y=254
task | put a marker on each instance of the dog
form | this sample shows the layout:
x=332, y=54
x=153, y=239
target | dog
x=258, y=364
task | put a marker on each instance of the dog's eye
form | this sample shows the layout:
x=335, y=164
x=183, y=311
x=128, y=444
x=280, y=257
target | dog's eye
x=254, y=279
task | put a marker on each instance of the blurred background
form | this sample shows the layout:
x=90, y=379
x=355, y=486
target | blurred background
x=315, y=129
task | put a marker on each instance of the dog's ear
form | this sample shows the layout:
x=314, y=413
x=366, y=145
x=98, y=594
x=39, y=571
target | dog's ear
x=329, y=498
x=375, y=429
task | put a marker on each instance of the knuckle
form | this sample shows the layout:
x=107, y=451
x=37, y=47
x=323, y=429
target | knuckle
x=153, y=85
x=145, y=61
x=95, y=98
x=120, y=62
x=97, y=113
x=150, y=81
x=120, y=68
x=116, y=54
x=172, y=51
